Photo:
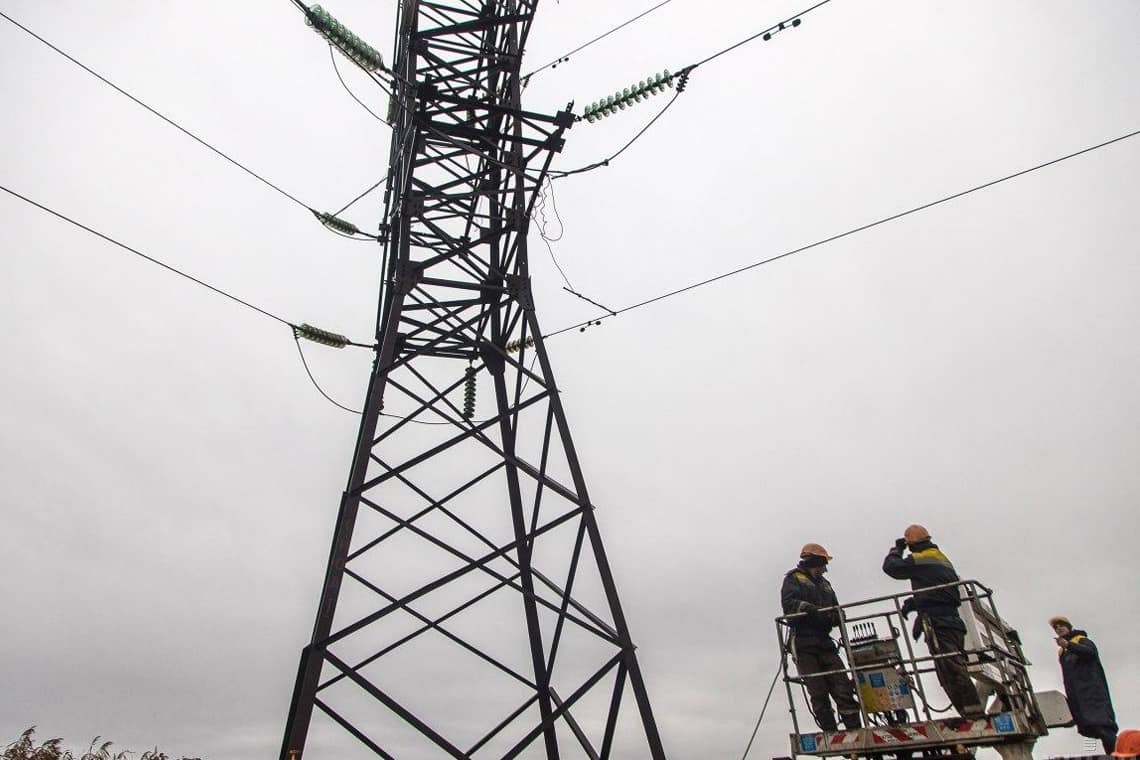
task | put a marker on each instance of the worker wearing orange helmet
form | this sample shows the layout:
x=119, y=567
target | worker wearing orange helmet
x=1085, y=683
x=806, y=594
x=1127, y=744
x=938, y=617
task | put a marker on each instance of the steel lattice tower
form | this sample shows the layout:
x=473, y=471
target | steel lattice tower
x=466, y=559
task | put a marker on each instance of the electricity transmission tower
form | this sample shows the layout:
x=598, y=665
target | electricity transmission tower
x=468, y=608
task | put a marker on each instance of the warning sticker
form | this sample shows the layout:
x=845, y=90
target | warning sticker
x=1003, y=723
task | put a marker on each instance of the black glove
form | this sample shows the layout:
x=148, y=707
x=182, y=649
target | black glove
x=908, y=607
x=809, y=608
x=916, y=631
x=900, y=543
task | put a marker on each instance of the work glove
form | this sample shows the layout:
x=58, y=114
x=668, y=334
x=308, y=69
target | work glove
x=900, y=544
x=916, y=631
x=908, y=607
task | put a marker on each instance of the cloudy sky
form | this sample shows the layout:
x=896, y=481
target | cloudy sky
x=170, y=477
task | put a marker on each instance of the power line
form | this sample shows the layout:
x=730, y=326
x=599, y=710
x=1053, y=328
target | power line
x=764, y=709
x=861, y=228
x=151, y=259
x=366, y=192
x=554, y=174
x=554, y=259
x=168, y=120
x=778, y=27
x=565, y=56
x=683, y=77
x=196, y=281
x=351, y=94
x=313, y=380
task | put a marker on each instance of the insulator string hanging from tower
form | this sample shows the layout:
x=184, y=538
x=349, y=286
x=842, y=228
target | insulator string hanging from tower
x=514, y=346
x=354, y=49
x=317, y=335
x=622, y=99
x=337, y=224
x=469, y=393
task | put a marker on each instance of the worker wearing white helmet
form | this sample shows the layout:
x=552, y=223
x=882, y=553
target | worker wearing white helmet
x=804, y=594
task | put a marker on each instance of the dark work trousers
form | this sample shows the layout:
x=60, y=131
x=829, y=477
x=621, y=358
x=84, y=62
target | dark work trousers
x=1106, y=734
x=813, y=658
x=953, y=673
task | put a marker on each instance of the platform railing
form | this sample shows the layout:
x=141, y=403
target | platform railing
x=993, y=650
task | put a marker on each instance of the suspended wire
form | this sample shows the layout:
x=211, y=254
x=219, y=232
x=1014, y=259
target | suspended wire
x=151, y=259
x=187, y=132
x=170, y=268
x=526, y=381
x=554, y=259
x=365, y=239
x=313, y=380
x=555, y=174
x=346, y=206
x=545, y=193
x=683, y=76
x=308, y=14
x=770, y=30
x=351, y=94
x=168, y=120
x=415, y=421
x=764, y=709
x=565, y=56
x=379, y=182
x=573, y=292
x=809, y=246
x=529, y=369
x=403, y=105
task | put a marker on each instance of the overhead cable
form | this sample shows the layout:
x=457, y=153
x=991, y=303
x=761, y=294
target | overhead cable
x=764, y=709
x=352, y=202
x=630, y=94
x=151, y=259
x=303, y=330
x=779, y=27
x=352, y=94
x=165, y=118
x=566, y=56
x=861, y=228
x=179, y=127
x=557, y=174
x=313, y=380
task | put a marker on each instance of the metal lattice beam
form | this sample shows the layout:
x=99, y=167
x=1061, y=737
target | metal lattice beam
x=485, y=509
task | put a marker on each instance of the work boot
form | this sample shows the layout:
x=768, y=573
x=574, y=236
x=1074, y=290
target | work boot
x=851, y=721
x=973, y=712
x=824, y=717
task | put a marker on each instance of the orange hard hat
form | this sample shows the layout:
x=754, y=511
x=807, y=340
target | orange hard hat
x=1127, y=744
x=814, y=550
x=916, y=533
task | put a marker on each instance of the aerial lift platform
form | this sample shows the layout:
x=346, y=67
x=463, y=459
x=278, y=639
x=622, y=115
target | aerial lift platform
x=898, y=691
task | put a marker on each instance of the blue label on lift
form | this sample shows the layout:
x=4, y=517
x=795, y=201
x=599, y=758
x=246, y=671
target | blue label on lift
x=877, y=680
x=1003, y=723
x=807, y=743
x=903, y=689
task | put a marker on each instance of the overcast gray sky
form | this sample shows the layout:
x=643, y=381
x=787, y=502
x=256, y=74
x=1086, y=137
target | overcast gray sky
x=170, y=477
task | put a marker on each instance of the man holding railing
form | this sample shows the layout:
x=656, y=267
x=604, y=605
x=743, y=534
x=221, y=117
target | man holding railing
x=804, y=593
x=938, y=617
